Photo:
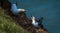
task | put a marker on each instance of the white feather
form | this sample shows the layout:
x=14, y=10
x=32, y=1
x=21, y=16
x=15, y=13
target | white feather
x=34, y=23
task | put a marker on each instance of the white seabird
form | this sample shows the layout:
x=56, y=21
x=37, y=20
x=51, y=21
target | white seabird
x=34, y=23
x=15, y=10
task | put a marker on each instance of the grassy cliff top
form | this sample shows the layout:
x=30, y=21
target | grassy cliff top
x=7, y=25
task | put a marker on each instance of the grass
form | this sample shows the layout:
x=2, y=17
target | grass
x=7, y=25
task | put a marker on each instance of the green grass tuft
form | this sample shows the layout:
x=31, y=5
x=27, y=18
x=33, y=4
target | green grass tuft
x=7, y=25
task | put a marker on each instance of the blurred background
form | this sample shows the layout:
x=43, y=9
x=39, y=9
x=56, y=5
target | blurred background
x=49, y=9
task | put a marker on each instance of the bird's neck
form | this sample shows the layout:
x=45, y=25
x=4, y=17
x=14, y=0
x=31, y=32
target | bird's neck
x=33, y=20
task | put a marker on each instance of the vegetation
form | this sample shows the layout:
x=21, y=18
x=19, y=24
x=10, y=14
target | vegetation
x=7, y=25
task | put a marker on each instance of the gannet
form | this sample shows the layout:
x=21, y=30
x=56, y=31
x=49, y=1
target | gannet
x=15, y=10
x=34, y=23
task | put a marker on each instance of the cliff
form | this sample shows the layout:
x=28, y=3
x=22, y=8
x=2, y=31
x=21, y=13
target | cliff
x=22, y=20
x=7, y=25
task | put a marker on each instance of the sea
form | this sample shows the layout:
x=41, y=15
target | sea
x=49, y=9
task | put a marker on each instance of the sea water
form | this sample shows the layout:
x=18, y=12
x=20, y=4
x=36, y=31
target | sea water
x=49, y=9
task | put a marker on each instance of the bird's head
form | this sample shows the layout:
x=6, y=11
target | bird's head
x=22, y=10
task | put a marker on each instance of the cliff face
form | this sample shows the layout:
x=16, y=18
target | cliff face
x=26, y=24
x=7, y=25
x=23, y=20
x=5, y=4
